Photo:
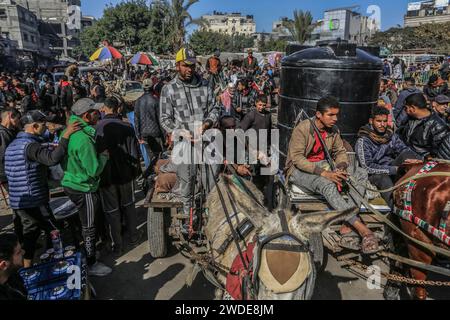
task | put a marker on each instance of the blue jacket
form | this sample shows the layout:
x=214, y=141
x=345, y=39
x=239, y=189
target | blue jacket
x=377, y=158
x=27, y=179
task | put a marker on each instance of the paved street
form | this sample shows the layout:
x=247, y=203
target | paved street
x=137, y=276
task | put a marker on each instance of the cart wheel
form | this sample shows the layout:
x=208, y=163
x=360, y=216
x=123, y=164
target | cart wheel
x=156, y=233
x=319, y=253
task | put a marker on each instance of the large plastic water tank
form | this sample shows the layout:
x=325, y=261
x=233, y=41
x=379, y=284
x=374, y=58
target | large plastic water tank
x=339, y=69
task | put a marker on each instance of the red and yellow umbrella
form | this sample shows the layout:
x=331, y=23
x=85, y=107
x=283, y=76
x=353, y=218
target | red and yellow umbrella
x=106, y=53
x=144, y=59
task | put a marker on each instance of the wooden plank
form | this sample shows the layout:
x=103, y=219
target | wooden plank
x=163, y=205
x=153, y=201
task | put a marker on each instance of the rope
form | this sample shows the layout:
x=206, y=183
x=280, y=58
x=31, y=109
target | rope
x=388, y=222
x=404, y=182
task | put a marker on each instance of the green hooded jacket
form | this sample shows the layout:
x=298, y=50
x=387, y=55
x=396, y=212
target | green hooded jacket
x=83, y=165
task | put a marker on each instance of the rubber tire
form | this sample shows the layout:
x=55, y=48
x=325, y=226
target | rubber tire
x=156, y=231
x=319, y=253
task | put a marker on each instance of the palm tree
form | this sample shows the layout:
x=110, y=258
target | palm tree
x=301, y=27
x=181, y=19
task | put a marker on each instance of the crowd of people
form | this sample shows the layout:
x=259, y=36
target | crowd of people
x=96, y=141
x=421, y=72
x=92, y=143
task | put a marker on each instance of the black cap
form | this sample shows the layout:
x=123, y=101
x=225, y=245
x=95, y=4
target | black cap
x=33, y=117
x=442, y=99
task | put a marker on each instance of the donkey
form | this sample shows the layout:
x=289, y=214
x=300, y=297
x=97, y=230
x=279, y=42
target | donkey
x=282, y=270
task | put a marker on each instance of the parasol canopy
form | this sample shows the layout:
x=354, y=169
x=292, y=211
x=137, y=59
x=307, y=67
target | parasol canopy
x=144, y=59
x=106, y=53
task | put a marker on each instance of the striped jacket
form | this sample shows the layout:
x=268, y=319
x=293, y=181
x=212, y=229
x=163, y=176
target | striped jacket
x=183, y=104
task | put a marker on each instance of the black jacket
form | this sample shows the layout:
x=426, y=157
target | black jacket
x=99, y=93
x=13, y=290
x=434, y=92
x=146, y=117
x=119, y=139
x=425, y=136
x=65, y=94
x=6, y=137
x=27, y=104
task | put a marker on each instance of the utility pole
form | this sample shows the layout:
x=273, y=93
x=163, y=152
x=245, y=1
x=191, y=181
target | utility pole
x=64, y=37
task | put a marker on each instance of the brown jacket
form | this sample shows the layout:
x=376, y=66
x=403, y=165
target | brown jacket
x=302, y=143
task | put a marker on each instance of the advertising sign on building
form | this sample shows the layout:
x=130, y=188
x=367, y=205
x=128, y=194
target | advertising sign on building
x=441, y=3
x=74, y=18
x=414, y=6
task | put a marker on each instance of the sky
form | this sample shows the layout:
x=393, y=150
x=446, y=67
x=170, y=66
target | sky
x=267, y=11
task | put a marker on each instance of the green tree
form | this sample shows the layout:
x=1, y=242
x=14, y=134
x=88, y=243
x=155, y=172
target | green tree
x=205, y=42
x=125, y=22
x=301, y=26
x=435, y=37
x=273, y=45
x=157, y=37
x=181, y=19
x=262, y=43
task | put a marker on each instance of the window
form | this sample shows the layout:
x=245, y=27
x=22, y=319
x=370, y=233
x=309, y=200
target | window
x=32, y=39
x=3, y=14
x=25, y=37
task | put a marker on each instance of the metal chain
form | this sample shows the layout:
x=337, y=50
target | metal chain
x=402, y=279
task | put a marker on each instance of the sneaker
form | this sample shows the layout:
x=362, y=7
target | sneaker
x=99, y=270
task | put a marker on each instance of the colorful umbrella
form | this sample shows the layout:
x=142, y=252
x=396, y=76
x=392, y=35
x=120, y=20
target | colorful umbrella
x=142, y=58
x=106, y=53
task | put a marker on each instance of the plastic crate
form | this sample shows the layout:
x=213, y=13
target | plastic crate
x=48, y=281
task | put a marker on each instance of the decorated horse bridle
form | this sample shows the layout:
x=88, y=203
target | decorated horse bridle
x=408, y=215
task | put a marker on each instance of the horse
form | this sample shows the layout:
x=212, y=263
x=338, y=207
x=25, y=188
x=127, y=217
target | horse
x=276, y=244
x=430, y=201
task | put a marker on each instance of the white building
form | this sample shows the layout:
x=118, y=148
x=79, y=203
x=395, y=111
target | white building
x=279, y=31
x=346, y=24
x=423, y=12
x=231, y=24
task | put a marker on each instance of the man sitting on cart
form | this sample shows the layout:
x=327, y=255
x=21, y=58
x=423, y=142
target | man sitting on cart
x=309, y=168
x=381, y=152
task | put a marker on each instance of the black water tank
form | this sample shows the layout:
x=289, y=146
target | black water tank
x=340, y=69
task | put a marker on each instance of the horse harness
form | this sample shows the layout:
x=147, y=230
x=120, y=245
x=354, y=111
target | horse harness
x=407, y=212
x=247, y=264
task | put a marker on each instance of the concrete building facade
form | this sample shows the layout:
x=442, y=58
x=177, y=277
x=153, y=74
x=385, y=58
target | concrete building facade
x=87, y=21
x=55, y=16
x=19, y=28
x=279, y=31
x=346, y=24
x=418, y=13
x=231, y=24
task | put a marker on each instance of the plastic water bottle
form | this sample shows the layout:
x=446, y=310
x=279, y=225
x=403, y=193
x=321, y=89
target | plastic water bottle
x=57, y=242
